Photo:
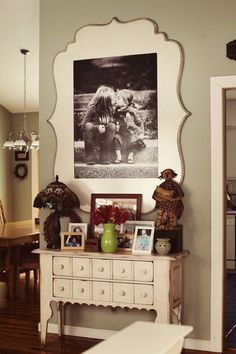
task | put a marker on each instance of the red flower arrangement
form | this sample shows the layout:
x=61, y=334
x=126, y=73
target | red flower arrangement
x=109, y=214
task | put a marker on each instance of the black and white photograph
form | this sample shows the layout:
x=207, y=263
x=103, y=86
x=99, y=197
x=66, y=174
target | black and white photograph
x=143, y=240
x=125, y=240
x=115, y=117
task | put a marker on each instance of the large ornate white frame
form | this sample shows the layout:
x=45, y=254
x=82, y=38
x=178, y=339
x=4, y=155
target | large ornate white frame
x=115, y=39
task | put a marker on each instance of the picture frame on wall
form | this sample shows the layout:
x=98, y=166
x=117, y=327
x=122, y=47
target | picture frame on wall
x=21, y=155
x=131, y=202
x=72, y=240
x=143, y=240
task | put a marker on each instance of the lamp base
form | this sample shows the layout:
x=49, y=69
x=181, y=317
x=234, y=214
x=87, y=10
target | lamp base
x=55, y=243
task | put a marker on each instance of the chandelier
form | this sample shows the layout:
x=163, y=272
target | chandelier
x=23, y=142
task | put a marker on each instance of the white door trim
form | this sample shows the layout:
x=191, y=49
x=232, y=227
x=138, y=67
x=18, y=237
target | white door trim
x=218, y=87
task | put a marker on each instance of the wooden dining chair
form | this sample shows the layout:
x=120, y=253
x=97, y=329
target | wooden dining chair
x=2, y=214
x=3, y=273
x=29, y=262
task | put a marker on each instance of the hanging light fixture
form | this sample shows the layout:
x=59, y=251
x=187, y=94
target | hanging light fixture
x=24, y=142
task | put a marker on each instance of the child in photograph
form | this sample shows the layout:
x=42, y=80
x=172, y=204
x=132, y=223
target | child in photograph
x=99, y=123
x=72, y=241
x=77, y=229
x=129, y=127
x=143, y=240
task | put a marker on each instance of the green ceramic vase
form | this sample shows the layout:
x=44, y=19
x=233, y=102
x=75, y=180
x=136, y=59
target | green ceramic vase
x=109, y=241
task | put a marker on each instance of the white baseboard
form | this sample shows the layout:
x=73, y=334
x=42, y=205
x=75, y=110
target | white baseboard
x=195, y=344
x=80, y=331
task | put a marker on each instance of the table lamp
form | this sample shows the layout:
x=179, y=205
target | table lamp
x=59, y=197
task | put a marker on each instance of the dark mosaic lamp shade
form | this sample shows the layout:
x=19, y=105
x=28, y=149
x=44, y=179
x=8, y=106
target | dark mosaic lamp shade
x=59, y=197
x=56, y=196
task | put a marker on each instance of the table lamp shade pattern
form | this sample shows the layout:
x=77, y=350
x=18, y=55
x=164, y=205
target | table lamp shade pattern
x=57, y=196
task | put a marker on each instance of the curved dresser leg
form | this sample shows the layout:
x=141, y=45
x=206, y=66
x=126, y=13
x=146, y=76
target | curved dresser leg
x=46, y=313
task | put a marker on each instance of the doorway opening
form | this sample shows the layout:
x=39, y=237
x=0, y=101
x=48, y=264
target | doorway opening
x=230, y=229
x=219, y=87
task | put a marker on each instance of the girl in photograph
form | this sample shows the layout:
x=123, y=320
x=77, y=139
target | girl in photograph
x=98, y=126
x=130, y=127
x=143, y=240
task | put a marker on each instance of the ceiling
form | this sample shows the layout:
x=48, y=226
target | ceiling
x=19, y=28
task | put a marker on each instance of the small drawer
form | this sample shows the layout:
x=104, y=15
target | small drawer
x=143, y=271
x=101, y=291
x=81, y=289
x=122, y=270
x=143, y=294
x=62, y=266
x=102, y=268
x=122, y=292
x=81, y=267
x=62, y=288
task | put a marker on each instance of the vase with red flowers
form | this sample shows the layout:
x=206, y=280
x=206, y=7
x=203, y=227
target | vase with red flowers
x=109, y=216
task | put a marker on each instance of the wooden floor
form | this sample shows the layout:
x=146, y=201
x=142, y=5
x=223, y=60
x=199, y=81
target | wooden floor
x=19, y=328
x=230, y=311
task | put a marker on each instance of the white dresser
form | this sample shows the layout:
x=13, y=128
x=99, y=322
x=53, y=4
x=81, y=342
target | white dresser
x=120, y=279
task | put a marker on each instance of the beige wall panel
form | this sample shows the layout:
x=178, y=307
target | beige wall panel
x=202, y=28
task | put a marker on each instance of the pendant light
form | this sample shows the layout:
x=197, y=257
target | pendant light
x=24, y=142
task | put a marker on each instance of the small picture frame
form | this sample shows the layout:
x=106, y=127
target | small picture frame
x=79, y=227
x=126, y=236
x=133, y=223
x=21, y=156
x=72, y=240
x=125, y=240
x=143, y=240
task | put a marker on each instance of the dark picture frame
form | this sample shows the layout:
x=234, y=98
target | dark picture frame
x=131, y=202
x=21, y=156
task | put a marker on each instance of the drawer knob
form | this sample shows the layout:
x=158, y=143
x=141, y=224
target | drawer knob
x=82, y=290
x=101, y=292
x=144, y=294
x=122, y=293
x=101, y=269
x=62, y=266
x=81, y=267
x=144, y=271
x=62, y=288
x=122, y=270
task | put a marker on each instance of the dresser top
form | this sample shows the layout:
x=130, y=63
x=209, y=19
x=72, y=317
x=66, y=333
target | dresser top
x=125, y=255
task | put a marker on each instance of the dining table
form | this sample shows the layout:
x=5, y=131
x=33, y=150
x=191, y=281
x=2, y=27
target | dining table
x=12, y=236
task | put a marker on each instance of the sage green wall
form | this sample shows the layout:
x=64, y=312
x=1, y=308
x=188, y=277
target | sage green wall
x=6, y=164
x=22, y=196
x=14, y=193
x=202, y=28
